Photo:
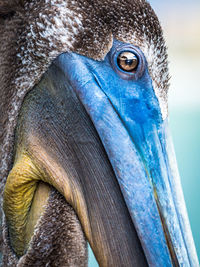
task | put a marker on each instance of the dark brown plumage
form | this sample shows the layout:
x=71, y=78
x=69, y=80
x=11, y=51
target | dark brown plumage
x=58, y=240
x=33, y=33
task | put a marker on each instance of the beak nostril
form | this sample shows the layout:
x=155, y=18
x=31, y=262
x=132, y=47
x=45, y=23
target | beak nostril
x=172, y=251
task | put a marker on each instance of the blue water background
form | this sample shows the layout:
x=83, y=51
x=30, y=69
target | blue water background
x=185, y=126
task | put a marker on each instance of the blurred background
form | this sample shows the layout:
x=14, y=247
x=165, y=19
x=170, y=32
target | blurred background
x=181, y=23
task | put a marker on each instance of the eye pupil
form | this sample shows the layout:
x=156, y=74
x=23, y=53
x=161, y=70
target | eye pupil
x=128, y=61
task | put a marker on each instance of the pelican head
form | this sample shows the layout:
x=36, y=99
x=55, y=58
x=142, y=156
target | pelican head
x=87, y=144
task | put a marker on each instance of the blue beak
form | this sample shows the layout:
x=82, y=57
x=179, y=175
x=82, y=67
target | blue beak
x=127, y=117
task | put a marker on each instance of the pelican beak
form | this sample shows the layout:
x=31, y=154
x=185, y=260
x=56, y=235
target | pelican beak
x=118, y=170
x=127, y=117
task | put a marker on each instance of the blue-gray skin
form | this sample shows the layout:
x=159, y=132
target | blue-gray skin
x=126, y=113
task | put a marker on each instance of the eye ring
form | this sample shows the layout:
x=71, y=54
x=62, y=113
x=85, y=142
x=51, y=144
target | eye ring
x=132, y=64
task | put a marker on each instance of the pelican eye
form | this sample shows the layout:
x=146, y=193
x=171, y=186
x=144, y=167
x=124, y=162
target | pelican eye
x=128, y=61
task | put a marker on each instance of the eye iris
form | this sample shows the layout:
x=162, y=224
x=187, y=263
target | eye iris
x=128, y=61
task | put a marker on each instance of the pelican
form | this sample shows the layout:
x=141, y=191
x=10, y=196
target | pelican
x=86, y=154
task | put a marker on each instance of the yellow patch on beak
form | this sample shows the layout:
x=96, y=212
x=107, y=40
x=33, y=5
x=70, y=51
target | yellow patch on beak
x=25, y=197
